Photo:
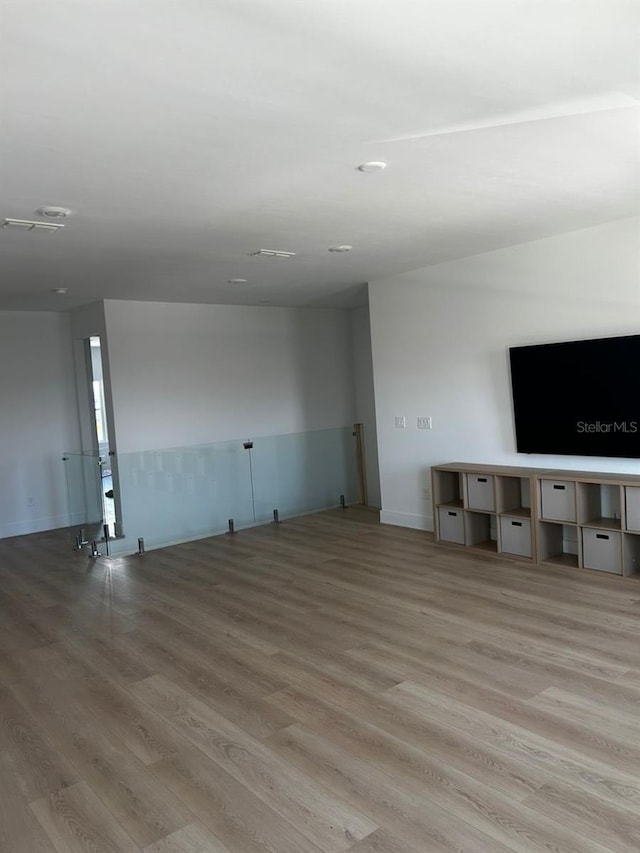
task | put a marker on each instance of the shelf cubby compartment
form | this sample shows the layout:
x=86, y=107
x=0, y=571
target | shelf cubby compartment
x=480, y=492
x=558, y=544
x=447, y=488
x=480, y=531
x=632, y=507
x=599, y=505
x=515, y=536
x=513, y=496
x=630, y=554
x=602, y=550
x=558, y=500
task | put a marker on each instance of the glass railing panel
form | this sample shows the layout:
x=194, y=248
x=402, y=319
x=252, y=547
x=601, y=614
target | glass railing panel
x=179, y=494
x=303, y=472
x=84, y=483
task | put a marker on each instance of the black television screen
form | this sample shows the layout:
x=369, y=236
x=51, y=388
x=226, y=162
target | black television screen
x=579, y=398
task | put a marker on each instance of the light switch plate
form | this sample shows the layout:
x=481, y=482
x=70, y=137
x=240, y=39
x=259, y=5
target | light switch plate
x=425, y=423
x=401, y=422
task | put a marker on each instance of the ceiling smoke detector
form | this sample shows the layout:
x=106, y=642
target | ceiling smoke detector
x=60, y=291
x=273, y=253
x=372, y=166
x=340, y=249
x=237, y=281
x=30, y=225
x=53, y=212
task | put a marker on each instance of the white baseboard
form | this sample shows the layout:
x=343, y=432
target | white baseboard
x=33, y=525
x=406, y=519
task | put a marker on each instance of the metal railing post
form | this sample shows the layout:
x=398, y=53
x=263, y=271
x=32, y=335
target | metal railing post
x=80, y=540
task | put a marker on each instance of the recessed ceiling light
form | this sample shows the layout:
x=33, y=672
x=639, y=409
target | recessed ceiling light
x=61, y=291
x=237, y=281
x=340, y=249
x=53, y=212
x=273, y=253
x=372, y=166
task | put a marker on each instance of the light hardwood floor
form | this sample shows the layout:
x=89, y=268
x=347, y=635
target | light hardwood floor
x=323, y=686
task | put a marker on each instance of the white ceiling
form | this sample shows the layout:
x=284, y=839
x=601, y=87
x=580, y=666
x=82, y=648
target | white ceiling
x=185, y=135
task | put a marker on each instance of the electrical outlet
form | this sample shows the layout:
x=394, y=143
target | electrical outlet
x=401, y=422
x=31, y=502
x=425, y=423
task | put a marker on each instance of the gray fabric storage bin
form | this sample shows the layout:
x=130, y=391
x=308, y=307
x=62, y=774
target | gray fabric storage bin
x=515, y=536
x=632, y=499
x=602, y=550
x=451, y=525
x=558, y=500
x=480, y=492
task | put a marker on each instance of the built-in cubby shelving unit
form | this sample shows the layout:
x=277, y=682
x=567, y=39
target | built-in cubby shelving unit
x=485, y=508
x=580, y=519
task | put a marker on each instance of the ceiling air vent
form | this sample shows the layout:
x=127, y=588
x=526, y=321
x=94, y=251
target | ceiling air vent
x=273, y=253
x=29, y=225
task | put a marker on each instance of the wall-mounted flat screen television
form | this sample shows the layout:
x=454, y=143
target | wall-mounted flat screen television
x=580, y=398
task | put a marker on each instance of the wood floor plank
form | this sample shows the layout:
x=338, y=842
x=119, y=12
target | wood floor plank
x=610, y=720
x=382, y=841
x=189, y=839
x=235, y=662
x=607, y=824
x=629, y=678
x=547, y=753
x=327, y=821
x=108, y=703
x=142, y=805
x=561, y=665
x=407, y=815
x=390, y=727
x=20, y=832
x=199, y=619
x=116, y=656
x=506, y=822
x=606, y=747
x=238, y=818
x=469, y=666
x=573, y=628
x=30, y=762
x=234, y=698
x=76, y=822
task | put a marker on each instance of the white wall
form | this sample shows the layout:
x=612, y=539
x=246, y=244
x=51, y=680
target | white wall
x=38, y=420
x=440, y=337
x=193, y=374
x=364, y=398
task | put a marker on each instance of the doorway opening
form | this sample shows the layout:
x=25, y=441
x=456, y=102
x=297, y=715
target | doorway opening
x=101, y=433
